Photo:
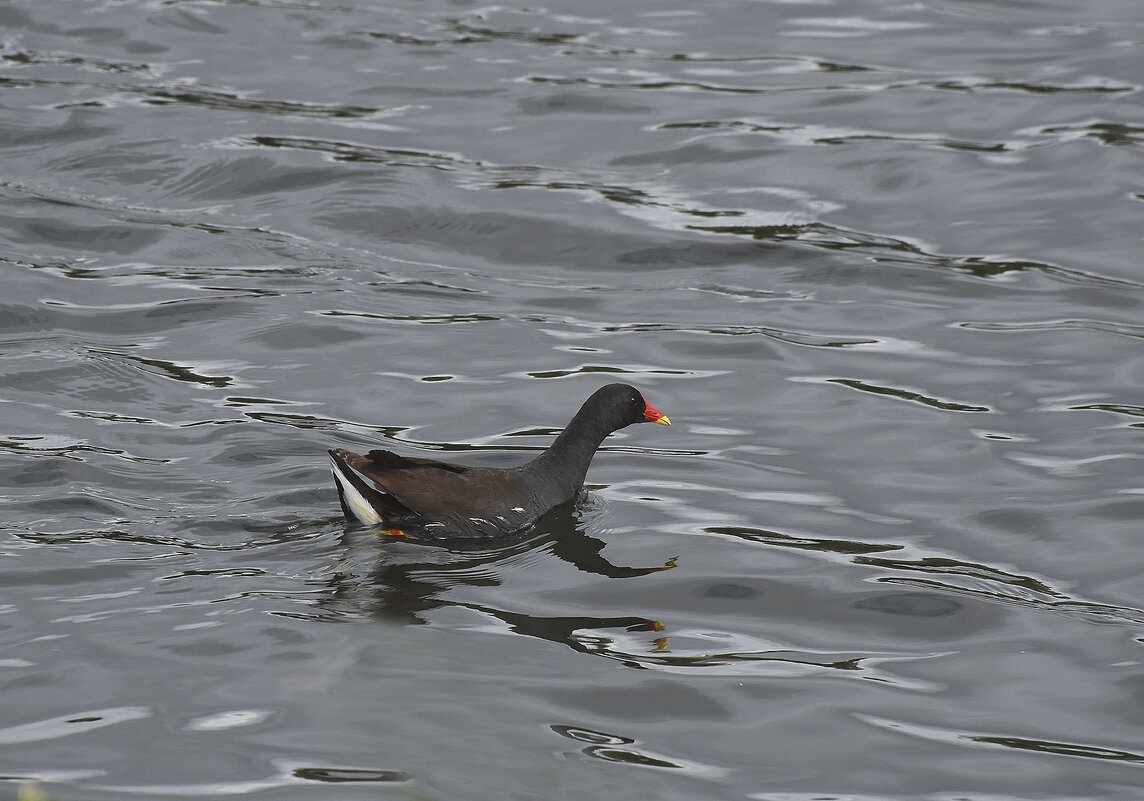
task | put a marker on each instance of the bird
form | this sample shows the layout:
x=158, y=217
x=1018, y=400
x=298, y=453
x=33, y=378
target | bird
x=418, y=497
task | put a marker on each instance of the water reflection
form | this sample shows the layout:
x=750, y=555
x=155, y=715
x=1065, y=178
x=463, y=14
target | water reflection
x=912, y=604
x=1003, y=741
x=627, y=750
x=394, y=579
x=567, y=630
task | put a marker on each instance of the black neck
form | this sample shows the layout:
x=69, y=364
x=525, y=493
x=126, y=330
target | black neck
x=567, y=458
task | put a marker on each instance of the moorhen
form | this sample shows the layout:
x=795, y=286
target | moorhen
x=425, y=497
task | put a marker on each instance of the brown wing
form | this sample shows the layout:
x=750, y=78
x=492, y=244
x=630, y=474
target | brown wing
x=388, y=460
x=442, y=490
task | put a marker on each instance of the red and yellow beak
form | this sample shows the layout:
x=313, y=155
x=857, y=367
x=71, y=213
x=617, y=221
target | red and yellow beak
x=654, y=415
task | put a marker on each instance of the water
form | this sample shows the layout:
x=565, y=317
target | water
x=879, y=263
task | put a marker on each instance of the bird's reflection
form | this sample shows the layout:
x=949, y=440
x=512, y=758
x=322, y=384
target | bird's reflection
x=394, y=579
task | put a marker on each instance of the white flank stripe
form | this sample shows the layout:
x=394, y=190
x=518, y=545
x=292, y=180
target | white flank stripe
x=354, y=500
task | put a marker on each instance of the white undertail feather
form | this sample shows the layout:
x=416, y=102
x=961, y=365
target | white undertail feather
x=356, y=502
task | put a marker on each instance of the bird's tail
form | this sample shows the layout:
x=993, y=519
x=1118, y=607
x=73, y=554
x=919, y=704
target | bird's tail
x=353, y=491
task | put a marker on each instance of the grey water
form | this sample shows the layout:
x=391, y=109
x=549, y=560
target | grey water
x=880, y=263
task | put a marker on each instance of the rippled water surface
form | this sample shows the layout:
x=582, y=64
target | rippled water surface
x=880, y=262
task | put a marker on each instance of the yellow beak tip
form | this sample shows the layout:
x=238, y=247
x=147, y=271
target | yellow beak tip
x=663, y=421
